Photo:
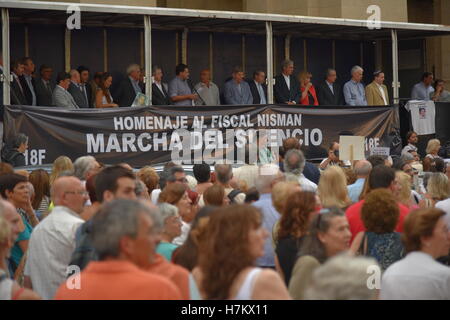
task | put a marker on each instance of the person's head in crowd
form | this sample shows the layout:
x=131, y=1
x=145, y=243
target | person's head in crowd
x=427, y=78
x=439, y=84
x=439, y=165
x=104, y=84
x=433, y=147
x=239, y=227
x=329, y=234
x=252, y=195
x=376, y=161
x=362, y=169
x=126, y=230
x=126, y=166
x=291, y=143
x=46, y=72
x=304, y=78
x=5, y=168
x=14, y=188
x=24, y=173
x=378, y=77
x=90, y=188
x=69, y=192
x=176, y=174
x=343, y=277
x=281, y=192
x=412, y=137
x=41, y=182
x=331, y=76
x=157, y=73
x=426, y=230
x=405, y=182
x=202, y=173
x=176, y=194
x=182, y=71
x=238, y=74
x=350, y=175
x=380, y=211
x=332, y=188
x=141, y=190
x=149, y=176
x=61, y=164
x=215, y=196
x=171, y=221
x=405, y=167
x=381, y=176
x=268, y=176
x=259, y=76
x=97, y=77
x=357, y=73
x=186, y=254
x=294, y=162
x=134, y=71
x=224, y=174
x=63, y=79
x=438, y=187
x=9, y=213
x=115, y=182
x=297, y=214
x=74, y=76
x=205, y=76
x=17, y=68
x=415, y=155
x=333, y=151
x=21, y=142
x=84, y=74
x=407, y=158
x=287, y=67
x=85, y=166
x=28, y=65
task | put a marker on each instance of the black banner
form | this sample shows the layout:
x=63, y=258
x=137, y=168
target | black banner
x=150, y=135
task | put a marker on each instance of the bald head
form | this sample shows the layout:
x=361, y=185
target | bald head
x=69, y=192
x=362, y=168
x=9, y=213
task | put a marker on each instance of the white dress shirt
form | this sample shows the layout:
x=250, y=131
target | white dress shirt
x=416, y=277
x=288, y=81
x=50, y=249
x=382, y=94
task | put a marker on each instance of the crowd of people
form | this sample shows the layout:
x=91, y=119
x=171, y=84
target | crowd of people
x=287, y=229
x=79, y=89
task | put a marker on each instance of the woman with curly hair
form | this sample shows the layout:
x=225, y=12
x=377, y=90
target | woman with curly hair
x=228, y=250
x=293, y=226
x=380, y=214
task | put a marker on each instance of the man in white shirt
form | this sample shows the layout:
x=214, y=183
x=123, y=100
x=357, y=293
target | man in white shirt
x=376, y=92
x=53, y=240
x=412, y=139
x=294, y=163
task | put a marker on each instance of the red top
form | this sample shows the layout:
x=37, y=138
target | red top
x=305, y=101
x=353, y=214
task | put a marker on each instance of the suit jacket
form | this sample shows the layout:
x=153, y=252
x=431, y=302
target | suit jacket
x=158, y=98
x=17, y=95
x=373, y=95
x=43, y=94
x=327, y=97
x=26, y=90
x=255, y=92
x=232, y=94
x=89, y=94
x=282, y=93
x=62, y=98
x=78, y=95
x=125, y=94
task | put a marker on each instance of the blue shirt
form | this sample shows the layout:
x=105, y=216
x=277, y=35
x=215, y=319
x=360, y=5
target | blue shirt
x=270, y=217
x=166, y=249
x=237, y=94
x=178, y=87
x=16, y=252
x=420, y=92
x=354, y=94
x=354, y=190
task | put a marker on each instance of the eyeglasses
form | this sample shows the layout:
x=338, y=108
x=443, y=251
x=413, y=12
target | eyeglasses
x=81, y=193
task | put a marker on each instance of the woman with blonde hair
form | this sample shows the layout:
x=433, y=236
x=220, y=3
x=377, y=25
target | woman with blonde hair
x=332, y=188
x=61, y=164
x=406, y=196
x=437, y=190
x=308, y=92
x=429, y=162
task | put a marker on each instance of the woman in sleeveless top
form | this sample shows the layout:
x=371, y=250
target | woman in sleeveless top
x=380, y=214
x=103, y=97
x=227, y=252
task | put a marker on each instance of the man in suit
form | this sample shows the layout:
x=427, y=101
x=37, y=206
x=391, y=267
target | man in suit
x=17, y=90
x=44, y=87
x=376, y=92
x=160, y=96
x=237, y=91
x=286, y=87
x=75, y=90
x=258, y=87
x=85, y=87
x=27, y=80
x=129, y=87
x=330, y=93
x=62, y=97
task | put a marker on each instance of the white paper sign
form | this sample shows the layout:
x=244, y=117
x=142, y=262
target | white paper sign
x=346, y=143
x=380, y=151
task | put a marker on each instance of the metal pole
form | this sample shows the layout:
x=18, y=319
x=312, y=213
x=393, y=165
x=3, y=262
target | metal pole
x=395, y=82
x=6, y=62
x=148, y=56
x=269, y=54
x=287, y=47
x=184, y=39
